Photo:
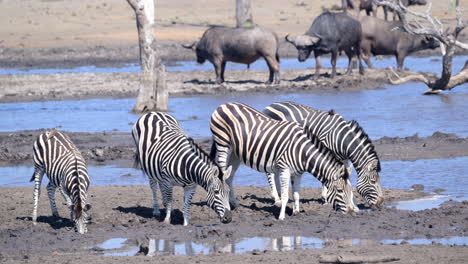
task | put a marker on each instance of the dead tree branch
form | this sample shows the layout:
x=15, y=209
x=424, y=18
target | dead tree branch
x=417, y=23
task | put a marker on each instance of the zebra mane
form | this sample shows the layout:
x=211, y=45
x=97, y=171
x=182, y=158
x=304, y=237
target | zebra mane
x=201, y=153
x=356, y=128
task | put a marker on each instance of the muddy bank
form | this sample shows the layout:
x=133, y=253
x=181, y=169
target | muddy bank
x=33, y=87
x=116, y=147
x=124, y=211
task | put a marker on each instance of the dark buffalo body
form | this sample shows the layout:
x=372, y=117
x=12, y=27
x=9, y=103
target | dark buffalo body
x=331, y=33
x=242, y=45
x=379, y=37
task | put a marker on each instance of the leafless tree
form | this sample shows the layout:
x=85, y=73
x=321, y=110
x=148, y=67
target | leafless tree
x=152, y=94
x=426, y=24
x=244, y=13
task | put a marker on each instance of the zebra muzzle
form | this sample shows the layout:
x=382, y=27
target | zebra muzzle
x=379, y=203
x=227, y=218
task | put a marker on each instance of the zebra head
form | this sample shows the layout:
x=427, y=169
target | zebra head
x=339, y=192
x=80, y=216
x=218, y=194
x=369, y=184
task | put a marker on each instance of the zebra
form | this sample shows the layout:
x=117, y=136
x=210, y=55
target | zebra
x=347, y=140
x=57, y=156
x=242, y=134
x=169, y=158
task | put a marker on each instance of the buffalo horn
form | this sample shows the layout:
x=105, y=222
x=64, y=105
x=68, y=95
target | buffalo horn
x=288, y=40
x=189, y=46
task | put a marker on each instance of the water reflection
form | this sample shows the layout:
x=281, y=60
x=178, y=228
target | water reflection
x=158, y=247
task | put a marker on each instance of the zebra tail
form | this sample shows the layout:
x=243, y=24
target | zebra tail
x=136, y=161
x=213, y=151
x=33, y=176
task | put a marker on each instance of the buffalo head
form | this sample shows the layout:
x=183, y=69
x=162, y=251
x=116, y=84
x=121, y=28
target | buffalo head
x=194, y=46
x=304, y=45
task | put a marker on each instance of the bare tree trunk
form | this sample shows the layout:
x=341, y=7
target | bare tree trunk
x=152, y=94
x=244, y=13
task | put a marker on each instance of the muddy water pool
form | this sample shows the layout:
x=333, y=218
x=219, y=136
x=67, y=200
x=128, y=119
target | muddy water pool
x=394, y=111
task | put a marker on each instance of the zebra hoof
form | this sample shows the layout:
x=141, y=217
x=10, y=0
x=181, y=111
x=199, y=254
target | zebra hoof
x=295, y=212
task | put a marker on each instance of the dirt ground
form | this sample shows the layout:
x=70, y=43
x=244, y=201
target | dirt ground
x=66, y=33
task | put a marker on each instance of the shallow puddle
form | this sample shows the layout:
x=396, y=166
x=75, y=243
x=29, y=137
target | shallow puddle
x=155, y=247
x=422, y=204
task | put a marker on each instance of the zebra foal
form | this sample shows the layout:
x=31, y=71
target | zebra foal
x=169, y=158
x=242, y=134
x=347, y=141
x=57, y=156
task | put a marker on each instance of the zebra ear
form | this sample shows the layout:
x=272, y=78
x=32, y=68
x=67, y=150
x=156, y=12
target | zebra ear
x=227, y=173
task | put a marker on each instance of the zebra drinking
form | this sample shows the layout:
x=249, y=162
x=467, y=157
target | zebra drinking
x=57, y=156
x=242, y=134
x=347, y=140
x=169, y=158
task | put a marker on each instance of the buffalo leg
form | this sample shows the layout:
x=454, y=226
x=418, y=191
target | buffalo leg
x=358, y=54
x=218, y=66
x=349, y=53
x=273, y=66
x=318, y=65
x=400, y=59
x=334, y=55
x=223, y=67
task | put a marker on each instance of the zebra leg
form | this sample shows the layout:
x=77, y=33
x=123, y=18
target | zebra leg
x=324, y=194
x=232, y=195
x=273, y=188
x=51, y=192
x=296, y=187
x=166, y=191
x=38, y=174
x=154, y=188
x=285, y=177
x=65, y=196
x=188, y=193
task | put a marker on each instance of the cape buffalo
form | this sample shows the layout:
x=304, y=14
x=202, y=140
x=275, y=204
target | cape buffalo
x=366, y=5
x=330, y=33
x=380, y=37
x=405, y=3
x=242, y=45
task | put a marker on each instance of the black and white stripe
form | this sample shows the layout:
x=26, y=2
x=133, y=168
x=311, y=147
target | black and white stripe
x=169, y=158
x=347, y=140
x=57, y=156
x=242, y=134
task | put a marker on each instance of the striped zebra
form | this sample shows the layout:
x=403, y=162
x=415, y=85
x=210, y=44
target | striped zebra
x=242, y=134
x=57, y=156
x=169, y=158
x=347, y=140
